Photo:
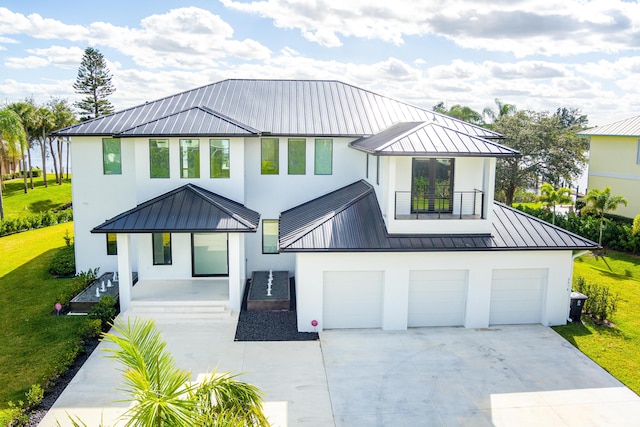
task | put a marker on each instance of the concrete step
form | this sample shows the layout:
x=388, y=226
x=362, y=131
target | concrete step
x=179, y=311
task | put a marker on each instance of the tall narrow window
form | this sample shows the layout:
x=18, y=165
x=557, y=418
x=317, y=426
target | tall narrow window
x=190, y=158
x=378, y=170
x=324, y=157
x=111, y=157
x=209, y=253
x=112, y=244
x=270, y=236
x=269, y=156
x=297, y=156
x=159, y=158
x=367, y=166
x=161, y=248
x=219, y=158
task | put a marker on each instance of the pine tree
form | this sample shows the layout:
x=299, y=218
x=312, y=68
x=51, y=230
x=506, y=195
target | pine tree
x=94, y=80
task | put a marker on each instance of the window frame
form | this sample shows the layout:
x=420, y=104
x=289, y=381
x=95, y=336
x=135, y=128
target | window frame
x=277, y=246
x=111, y=167
x=302, y=162
x=196, y=160
x=167, y=169
x=275, y=161
x=154, y=236
x=317, y=167
x=112, y=244
x=226, y=155
x=193, y=258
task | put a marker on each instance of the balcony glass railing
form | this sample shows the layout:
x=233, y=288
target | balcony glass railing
x=456, y=205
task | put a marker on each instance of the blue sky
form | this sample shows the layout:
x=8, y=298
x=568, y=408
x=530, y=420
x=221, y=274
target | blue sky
x=538, y=55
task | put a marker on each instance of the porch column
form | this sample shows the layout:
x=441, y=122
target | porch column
x=236, y=270
x=124, y=270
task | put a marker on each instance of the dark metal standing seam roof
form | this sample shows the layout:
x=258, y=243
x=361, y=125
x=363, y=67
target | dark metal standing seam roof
x=280, y=107
x=187, y=209
x=349, y=220
x=428, y=138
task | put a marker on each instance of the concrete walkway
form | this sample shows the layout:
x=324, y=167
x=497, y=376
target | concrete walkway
x=506, y=376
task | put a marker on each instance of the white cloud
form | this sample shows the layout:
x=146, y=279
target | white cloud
x=36, y=26
x=26, y=62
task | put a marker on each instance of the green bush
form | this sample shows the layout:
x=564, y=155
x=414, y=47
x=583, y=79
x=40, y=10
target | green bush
x=600, y=304
x=635, y=229
x=64, y=262
x=18, y=412
x=92, y=328
x=104, y=311
x=34, y=220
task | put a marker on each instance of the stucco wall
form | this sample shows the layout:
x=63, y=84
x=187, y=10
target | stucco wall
x=397, y=267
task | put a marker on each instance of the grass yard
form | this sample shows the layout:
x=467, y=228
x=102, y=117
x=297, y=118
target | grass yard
x=615, y=349
x=41, y=198
x=33, y=344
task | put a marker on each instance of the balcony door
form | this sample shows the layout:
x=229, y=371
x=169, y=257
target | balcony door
x=432, y=185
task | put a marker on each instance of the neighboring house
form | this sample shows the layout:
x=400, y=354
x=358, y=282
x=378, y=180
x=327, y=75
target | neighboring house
x=614, y=161
x=382, y=211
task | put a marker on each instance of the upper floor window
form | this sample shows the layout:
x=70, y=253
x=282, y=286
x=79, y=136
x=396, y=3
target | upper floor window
x=161, y=248
x=324, y=157
x=219, y=158
x=270, y=156
x=159, y=158
x=297, y=156
x=111, y=157
x=270, y=229
x=190, y=158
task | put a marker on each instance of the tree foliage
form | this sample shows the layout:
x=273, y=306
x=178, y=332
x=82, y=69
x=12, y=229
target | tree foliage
x=502, y=109
x=94, y=81
x=13, y=139
x=461, y=112
x=600, y=202
x=552, y=197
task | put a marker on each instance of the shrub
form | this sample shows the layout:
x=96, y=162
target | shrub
x=600, y=304
x=64, y=262
x=90, y=329
x=635, y=229
x=104, y=311
x=18, y=412
x=34, y=220
x=86, y=277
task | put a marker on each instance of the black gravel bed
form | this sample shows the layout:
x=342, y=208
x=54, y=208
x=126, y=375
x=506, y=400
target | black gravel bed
x=271, y=326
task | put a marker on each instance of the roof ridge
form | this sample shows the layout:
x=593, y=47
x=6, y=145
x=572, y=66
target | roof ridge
x=199, y=190
x=420, y=124
x=489, y=141
x=229, y=119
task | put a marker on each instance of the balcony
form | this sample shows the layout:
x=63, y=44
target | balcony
x=426, y=206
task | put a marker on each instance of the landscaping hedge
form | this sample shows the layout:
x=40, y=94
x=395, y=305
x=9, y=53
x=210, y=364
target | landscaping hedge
x=34, y=220
x=616, y=234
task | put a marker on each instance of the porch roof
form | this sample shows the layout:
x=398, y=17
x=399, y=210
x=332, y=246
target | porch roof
x=349, y=220
x=429, y=138
x=187, y=209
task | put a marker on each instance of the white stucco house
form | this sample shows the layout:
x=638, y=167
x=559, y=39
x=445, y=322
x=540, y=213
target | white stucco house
x=383, y=212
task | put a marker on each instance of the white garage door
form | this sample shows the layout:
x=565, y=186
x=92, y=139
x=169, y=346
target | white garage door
x=517, y=296
x=437, y=298
x=352, y=299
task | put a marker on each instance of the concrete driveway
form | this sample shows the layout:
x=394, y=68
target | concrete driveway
x=506, y=376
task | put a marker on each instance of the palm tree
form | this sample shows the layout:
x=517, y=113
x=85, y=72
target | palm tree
x=552, y=197
x=502, y=110
x=13, y=135
x=164, y=395
x=601, y=202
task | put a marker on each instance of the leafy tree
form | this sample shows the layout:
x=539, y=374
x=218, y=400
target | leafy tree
x=163, y=395
x=600, y=202
x=552, y=197
x=460, y=112
x=12, y=140
x=94, y=80
x=549, y=152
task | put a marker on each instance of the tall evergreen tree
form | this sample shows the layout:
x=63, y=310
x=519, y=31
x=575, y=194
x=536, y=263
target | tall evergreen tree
x=94, y=81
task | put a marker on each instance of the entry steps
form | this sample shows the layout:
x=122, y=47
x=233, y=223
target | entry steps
x=179, y=311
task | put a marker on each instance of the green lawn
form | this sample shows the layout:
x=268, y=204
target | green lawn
x=615, y=349
x=41, y=198
x=33, y=344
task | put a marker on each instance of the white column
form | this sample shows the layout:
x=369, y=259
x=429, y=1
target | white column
x=125, y=278
x=236, y=263
x=478, y=297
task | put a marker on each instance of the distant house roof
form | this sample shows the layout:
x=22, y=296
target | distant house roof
x=628, y=127
x=428, y=139
x=187, y=209
x=349, y=220
x=277, y=107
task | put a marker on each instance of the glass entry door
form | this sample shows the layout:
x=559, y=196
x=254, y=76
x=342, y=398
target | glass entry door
x=432, y=185
x=209, y=253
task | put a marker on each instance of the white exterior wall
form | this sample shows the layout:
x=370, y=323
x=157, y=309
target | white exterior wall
x=397, y=266
x=272, y=194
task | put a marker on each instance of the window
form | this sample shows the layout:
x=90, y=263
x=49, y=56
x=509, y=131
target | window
x=112, y=244
x=270, y=154
x=378, y=170
x=111, y=158
x=219, y=158
x=367, y=166
x=297, y=156
x=324, y=157
x=209, y=253
x=159, y=158
x=190, y=158
x=269, y=236
x=161, y=248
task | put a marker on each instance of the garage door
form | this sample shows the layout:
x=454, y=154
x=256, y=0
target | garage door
x=437, y=298
x=517, y=296
x=352, y=299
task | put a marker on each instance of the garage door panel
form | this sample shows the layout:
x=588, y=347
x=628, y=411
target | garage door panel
x=352, y=299
x=437, y=298
x=517, y=296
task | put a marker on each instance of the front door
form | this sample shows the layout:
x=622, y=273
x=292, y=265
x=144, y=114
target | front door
x=432, y=185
